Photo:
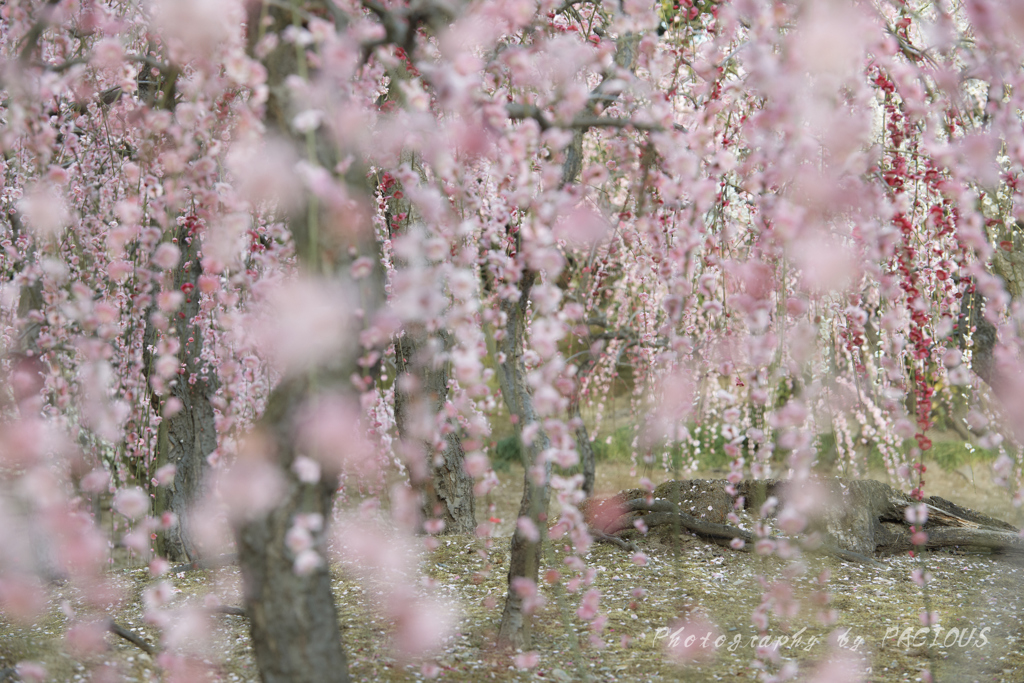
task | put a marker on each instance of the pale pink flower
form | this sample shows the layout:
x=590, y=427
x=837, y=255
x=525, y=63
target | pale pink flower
x=528, y=529
x=689, y=640
x=167, y=366
x=361, y=267
x=95, y=481
x=250, y=486
x=131, y=502
x=166, y=256
x=526, y=660
x=476, y=464
x=86, y=638
x=165, y=475
x=197, y=28
x=44, y=210
x=22, y=597
x=306, y=469
x=791, y=520
x=422, y=625
x=187, y=628
x=309, y=323
x=916, y=514
x=31, y=672
x=330, y=433
x=307, y=121
x=306, y=562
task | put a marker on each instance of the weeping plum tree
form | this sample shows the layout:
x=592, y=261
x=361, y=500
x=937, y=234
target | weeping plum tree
x=253, y=239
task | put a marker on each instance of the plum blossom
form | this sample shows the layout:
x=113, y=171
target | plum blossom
x=44, y=210
x=131, y=502
x=166, y=256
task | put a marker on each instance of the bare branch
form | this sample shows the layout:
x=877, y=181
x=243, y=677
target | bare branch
x=131, y=637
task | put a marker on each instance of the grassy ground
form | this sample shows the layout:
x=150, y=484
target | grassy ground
x=684, y=576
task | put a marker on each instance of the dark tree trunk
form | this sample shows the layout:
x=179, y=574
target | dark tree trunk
x=292, y=618
x=186, y=438
x=583, y=446
x=514, y=630
x=448, y=493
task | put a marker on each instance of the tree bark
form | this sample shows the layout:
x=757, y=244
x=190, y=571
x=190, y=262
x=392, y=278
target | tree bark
x=292, y=618
x=583, y=446
x=525, y=554
x=859, y=518
x=448, y=493
x=186, y=438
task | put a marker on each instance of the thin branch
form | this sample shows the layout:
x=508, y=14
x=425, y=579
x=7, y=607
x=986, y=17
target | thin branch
x=519, y=112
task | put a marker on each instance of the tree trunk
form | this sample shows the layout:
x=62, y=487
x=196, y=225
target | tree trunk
x=292, y=618
x=186, y=438
x=449, y=490
x=583, y=446
x=525, y=554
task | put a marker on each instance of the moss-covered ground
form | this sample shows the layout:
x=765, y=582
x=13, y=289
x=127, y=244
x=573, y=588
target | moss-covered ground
x=876, y=633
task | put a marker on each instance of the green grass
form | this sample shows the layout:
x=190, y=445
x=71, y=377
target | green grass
x=616, y=446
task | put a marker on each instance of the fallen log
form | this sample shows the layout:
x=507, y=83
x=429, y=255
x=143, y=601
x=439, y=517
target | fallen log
x=857, y=518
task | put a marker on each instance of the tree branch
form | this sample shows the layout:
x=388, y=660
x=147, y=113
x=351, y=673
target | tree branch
x=131, y=637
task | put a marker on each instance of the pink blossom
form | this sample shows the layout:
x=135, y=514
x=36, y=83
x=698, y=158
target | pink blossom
x=249, y=487
x=166, y=256
x=916, y=514
x=306, y=562
x=31, y=672
x=44, y=210
x=165, y=475
x=792, y=521
x=187, y=628
x=172, y=406
x=119, y=270
x=196, y=28
x=131, y=502
x=306, y=469
x=422, y=625
x=95, y=481
x=528, y=529
x=361, y=267
x=22, y=597
x=476, y=464
x=690, y=639
x=526, y=660
x=308, y=324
